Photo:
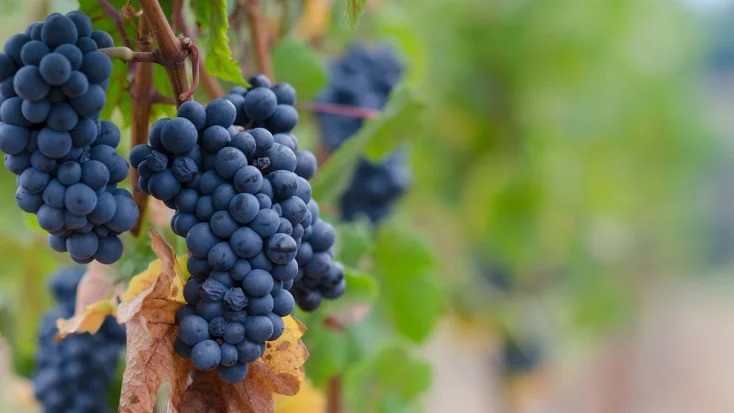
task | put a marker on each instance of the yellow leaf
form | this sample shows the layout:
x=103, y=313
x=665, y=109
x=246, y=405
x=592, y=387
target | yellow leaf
x=308, y=400
x=88, y=321
x=314, y=19
x=95, y=300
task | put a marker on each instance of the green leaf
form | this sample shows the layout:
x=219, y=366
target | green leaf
x=328, y=350
x=138, y=255
x=355, y=241
x=211, y=18
x=295, y=62
x=410, y=291
x=379, y=136
x=354, y=12
x=387, y=382
x=117, y=93
x=405, y=112
x=360, y=286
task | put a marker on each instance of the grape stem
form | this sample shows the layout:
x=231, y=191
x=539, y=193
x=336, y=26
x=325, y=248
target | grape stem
x=337, y=109
x=258, y=36
x=212, y=88
x=334, y=395
x=128, y=55
x=172, y=50
x=115, y=15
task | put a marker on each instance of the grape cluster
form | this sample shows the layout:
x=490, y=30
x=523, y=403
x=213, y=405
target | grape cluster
x=318, y=276
x=243, y=203
x=364, y=78
x=52, y=90
x=73, y=375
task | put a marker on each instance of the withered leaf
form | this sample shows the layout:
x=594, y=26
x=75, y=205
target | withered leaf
x=148, y=311
x=16, y=392
x=95, y=300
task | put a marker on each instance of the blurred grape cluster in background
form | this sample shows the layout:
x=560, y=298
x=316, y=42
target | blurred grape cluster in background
x=567, y=239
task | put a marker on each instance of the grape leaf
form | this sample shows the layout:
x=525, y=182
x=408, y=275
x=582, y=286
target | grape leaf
x=117, y=95
x=409, y=286
x=148, y=310
x=405, y=116
x=377, y=136
x=354, y=12
x=295, y=62
x=16, y=393
x=362, y=287
x=374, y=384
x=95, y=300
x=308, y=399
x=211, y=18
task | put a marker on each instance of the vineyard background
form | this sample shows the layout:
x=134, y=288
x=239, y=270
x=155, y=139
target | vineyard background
x=567, y=242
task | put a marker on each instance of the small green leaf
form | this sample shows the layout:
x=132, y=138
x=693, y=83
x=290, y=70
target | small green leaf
x=211, y=18
x=328, y=350
x=360, y=286
x=392, y=379
x=355, y=240
x=354, y=12
x=410, y=291
x=138, y=255
x=387, y=130
x=405, y=112
x=295, y=62
x=117, y=92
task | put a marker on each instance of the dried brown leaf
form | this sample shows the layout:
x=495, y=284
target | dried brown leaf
x=95, y=300
x=148, y=311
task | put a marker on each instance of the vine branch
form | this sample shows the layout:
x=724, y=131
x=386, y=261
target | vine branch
x=139, y=93
x=258, y=36
x=211, y=86
x=337, y=109
x=173, y=52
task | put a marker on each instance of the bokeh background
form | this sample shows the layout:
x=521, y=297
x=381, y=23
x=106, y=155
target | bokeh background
x=568, y=240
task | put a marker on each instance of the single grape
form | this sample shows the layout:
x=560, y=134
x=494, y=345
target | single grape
x=248, y=179
x=194, y=112
x=29, y=84
x=55, y=68
x=233, y=374
x=260, y=103
x=32, y=53
x=220, y=112
x=193, y=330
x=80, y=199
x=58, y=30
x=179, y=135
